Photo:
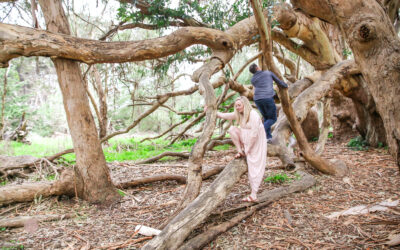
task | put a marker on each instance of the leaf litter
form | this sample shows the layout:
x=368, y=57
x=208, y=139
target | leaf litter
x=297, y=221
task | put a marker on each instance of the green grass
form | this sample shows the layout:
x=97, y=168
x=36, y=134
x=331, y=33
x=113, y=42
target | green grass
x=282, y=177
x=277, y=178
x=38, y=148
x=122, y=193
x=119, y=149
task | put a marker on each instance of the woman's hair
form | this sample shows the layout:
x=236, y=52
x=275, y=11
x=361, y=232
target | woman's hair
x=243, y=118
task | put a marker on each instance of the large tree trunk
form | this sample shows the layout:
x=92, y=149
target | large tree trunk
x=92, y=176
x=375, y=45
x=369, y=122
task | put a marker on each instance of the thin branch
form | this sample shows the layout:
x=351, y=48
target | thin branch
x=166, y=131
x=86, y=21
x=184, y=155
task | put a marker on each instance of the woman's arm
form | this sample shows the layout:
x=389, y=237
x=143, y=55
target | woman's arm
x=226, y=116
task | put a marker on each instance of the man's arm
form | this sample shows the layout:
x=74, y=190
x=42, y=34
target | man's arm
x=278, y=81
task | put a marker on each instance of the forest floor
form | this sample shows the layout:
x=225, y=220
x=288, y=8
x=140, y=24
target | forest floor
x=297, y=221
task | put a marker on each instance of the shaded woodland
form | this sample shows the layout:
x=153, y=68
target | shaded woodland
x=339, y=58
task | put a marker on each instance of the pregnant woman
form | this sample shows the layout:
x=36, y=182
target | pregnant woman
x=249, y=139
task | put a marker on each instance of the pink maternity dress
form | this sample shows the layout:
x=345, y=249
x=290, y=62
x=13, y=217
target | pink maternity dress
x=252, y=135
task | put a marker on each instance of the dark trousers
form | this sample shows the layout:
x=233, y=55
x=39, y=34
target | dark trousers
x=267, y=109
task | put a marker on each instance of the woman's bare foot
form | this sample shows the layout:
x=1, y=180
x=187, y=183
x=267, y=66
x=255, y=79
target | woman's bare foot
x=249, y=199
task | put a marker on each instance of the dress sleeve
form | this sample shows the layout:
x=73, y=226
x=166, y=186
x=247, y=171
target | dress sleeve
x=226, y=116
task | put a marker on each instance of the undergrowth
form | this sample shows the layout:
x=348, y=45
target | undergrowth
x=358, y=144
x=120, y=149
x=281, y=178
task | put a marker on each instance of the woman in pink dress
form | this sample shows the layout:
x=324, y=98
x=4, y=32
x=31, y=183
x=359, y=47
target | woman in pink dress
x=249, y=139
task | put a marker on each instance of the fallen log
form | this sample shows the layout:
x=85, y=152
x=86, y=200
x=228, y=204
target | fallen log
x=21, y=221
x=27, y=161
x=201, y=240
x=28, y=192
x=265, y=198
x=184, y=155
x=167, y=177
x=214, y=143
x=306, y=181
x=173, y=235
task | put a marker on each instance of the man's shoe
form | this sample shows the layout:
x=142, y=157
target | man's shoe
x=269, y=140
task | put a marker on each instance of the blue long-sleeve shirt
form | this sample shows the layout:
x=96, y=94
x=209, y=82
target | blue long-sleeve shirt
x=262, y=82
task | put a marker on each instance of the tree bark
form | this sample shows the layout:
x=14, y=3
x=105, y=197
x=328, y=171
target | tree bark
x=310, y=125
x=92, y=178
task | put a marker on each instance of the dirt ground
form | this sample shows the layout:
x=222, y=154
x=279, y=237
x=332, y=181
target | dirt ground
x=297, y=221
